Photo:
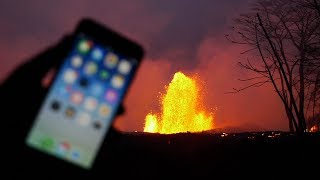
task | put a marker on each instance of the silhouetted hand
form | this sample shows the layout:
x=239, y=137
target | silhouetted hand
x=21, y=95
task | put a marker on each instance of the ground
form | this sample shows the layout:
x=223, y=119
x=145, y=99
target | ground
x=187, y=155
x=143, y=155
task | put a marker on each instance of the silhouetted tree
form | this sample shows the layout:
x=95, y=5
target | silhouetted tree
x=284, y=37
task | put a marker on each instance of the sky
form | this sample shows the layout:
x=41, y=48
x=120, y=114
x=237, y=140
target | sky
x=187, y=36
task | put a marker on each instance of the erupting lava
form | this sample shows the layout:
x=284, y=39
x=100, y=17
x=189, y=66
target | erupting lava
x=182, y=109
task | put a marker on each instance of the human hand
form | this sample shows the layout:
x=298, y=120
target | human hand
x=21, y=95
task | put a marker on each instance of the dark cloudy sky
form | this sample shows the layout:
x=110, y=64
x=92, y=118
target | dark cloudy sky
x=186, y=35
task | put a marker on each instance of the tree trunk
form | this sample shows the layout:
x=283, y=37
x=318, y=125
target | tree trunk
x=317, y=6
x=291, y=129
x=290, y=118
x=301, y=118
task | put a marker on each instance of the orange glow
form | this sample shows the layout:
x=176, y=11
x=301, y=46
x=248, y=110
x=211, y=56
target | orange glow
x=151, y=123
x=314, y=128
x=182, y=109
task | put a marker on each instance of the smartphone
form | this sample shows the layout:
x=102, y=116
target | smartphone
x=85, y=94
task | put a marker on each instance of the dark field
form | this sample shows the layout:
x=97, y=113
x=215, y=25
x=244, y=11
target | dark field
x=186, y=155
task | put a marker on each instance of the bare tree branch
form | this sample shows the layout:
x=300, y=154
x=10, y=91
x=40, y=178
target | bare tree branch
x=286, y=35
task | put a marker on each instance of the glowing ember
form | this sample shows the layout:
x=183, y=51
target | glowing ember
x=314, y=128
x=182, y=109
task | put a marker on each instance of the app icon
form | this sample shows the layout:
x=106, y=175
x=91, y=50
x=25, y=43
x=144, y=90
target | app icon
x=97, y=125
x=76, y=97
x=76, y=61
x=84, y=46
x=47, y=143
x=69, y=76
x=111, y=60
x=104, y=74
x=64, y=90
x=55, y=105
x=90, y=103
x=124, y=67
x=70, y=112
x=97, y=54
x=111, y=95
x=75, y=155
x=117, y=81
x=63, y=148
x=83, y=82
x=104, y=110
x=84, y=119
x=90, y=68
x=96, y=89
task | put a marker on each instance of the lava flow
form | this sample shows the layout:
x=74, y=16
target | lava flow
x=182, y=109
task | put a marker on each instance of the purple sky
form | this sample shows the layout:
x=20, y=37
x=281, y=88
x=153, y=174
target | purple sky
x=177, y=35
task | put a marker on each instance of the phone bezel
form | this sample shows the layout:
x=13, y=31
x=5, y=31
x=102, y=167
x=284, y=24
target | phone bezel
x=119, y=43
x=108, y=37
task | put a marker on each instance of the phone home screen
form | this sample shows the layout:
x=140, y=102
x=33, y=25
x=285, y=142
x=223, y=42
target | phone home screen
x=82, y=102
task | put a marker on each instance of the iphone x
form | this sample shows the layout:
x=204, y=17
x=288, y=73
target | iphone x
x=85, y=94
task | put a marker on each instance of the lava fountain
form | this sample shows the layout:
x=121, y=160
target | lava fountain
x=182, y=109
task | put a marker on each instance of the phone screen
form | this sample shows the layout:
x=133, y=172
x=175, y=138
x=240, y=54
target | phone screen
x=82, y=102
